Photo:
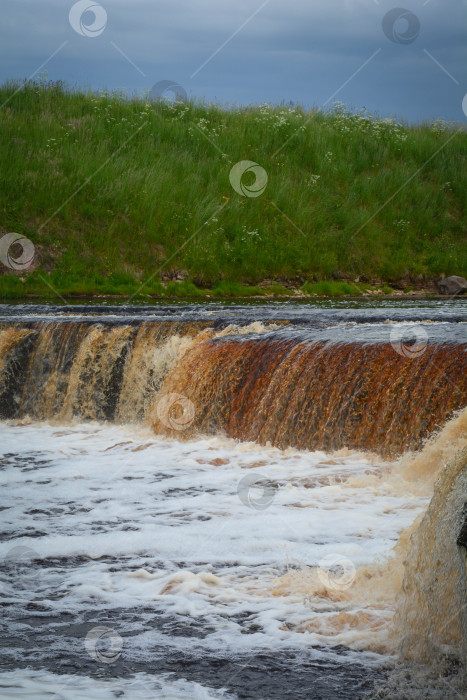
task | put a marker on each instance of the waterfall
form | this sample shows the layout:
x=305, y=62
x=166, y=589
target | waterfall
x=269, y=386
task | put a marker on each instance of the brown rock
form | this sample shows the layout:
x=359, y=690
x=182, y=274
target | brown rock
x=452, y=285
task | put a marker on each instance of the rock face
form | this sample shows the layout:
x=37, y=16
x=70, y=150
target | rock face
x=452, y=285
x=431, y=614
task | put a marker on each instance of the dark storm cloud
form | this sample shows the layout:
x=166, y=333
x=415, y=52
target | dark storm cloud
x=301, y=50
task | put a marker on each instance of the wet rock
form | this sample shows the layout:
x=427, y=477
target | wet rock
x=452, y=285
x=405, y=280
x=462, y=537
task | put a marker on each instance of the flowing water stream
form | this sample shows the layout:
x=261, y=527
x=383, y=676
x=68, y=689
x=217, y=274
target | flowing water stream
x=230, y=501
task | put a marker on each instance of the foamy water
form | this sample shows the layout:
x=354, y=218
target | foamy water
x=42, y=685
x=209, y=548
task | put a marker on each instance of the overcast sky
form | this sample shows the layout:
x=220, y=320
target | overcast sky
x=249, y=51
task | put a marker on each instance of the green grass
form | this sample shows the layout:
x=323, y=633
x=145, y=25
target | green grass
x=115, y=193
x=331, y=289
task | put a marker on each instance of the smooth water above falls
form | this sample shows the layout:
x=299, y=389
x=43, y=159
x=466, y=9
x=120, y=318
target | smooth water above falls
x=228, y=490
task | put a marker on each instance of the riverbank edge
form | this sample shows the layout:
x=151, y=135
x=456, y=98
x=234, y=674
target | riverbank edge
x=16, y=287
x=298, y=295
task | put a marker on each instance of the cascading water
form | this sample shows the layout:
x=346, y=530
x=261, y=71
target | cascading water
x=312, y=395
x=64, y=370
x=277, y=387
x=233, y=492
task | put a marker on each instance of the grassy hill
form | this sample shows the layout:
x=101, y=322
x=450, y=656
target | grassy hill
x=116, y=192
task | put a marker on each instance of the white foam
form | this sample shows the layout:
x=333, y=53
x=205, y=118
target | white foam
x=42, y=685
x=159, y=523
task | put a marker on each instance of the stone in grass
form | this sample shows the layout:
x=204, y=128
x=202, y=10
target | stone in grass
x=452, y=285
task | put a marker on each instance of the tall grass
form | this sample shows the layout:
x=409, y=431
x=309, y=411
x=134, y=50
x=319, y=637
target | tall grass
x=114, y=192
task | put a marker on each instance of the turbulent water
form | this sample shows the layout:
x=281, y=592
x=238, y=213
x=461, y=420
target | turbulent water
x=212, y=501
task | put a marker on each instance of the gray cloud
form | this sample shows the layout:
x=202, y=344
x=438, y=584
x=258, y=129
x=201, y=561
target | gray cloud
x=301, y=51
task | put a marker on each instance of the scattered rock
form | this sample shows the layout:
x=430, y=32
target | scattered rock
x=265, y=283
x=452, y=285
x=405, y=280
x=174, y=275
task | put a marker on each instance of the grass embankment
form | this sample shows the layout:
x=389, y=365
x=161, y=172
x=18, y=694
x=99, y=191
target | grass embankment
x=115, y=192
